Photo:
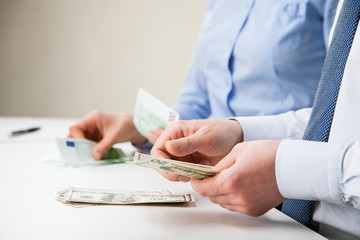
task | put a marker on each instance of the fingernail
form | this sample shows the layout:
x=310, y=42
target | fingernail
x=175, y=144
x=97, y=155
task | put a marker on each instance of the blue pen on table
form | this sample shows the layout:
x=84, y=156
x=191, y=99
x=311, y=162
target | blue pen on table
x=24, y=131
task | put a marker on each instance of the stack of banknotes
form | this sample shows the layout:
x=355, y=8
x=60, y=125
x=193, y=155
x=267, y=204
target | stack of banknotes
x=82, y=197
x=181, y=168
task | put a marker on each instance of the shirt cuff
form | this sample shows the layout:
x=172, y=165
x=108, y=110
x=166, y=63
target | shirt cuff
x=288, y=125
x=350, y=182
x=310, y=170
x=260, y=128
x=143, y=148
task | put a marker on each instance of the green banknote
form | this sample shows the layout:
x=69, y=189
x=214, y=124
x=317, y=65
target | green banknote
x=78, y=152
x=181, y=168
x=150, y=113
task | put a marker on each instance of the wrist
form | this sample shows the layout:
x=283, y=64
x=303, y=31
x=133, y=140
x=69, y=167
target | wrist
x=138, y=139
x=133, y=134
x=238, y=131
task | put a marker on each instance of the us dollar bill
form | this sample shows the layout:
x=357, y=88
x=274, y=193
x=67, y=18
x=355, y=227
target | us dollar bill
x=150, y=113
x=181, y=168
x=78, y=152
x=85, y=197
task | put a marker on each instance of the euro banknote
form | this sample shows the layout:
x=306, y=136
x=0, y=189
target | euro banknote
x=151, y=113
x=181, y=168
x=80, y=197
x=78, y=152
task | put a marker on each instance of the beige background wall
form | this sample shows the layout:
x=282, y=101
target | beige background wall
x=62, y=58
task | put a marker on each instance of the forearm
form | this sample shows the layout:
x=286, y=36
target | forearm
x=320, y=171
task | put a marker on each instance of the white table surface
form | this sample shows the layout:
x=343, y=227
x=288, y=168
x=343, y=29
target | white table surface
x=28, y=209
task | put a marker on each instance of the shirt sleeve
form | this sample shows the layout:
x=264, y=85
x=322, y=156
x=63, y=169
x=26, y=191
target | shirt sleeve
x=319, y=171
x=193, y=101
x=289, y=125
x=144, y=147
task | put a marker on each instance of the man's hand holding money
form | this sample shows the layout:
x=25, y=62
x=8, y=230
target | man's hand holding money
x=197, y=141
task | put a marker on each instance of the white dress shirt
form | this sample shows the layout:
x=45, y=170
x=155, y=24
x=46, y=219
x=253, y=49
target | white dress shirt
x=328, y=173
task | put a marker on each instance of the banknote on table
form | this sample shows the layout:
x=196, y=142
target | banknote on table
x=82, y=197
x=78, y=152
x=150, y=113
x=181, y=168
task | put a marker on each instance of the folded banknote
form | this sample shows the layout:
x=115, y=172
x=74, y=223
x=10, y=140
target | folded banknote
x=181, y=168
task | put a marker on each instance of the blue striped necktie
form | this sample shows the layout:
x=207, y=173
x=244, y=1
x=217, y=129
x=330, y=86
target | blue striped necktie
x=319, y=124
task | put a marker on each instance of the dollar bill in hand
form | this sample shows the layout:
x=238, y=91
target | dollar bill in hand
x=78, y=152
x=150, y=113
x=181, y=168
x=80, y=197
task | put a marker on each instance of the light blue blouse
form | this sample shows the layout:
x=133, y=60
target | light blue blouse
x=257, y=57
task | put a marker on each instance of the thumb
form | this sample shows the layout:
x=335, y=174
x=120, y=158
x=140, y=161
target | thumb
x=187, y=145
x=227, y=161
x=102, y=147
